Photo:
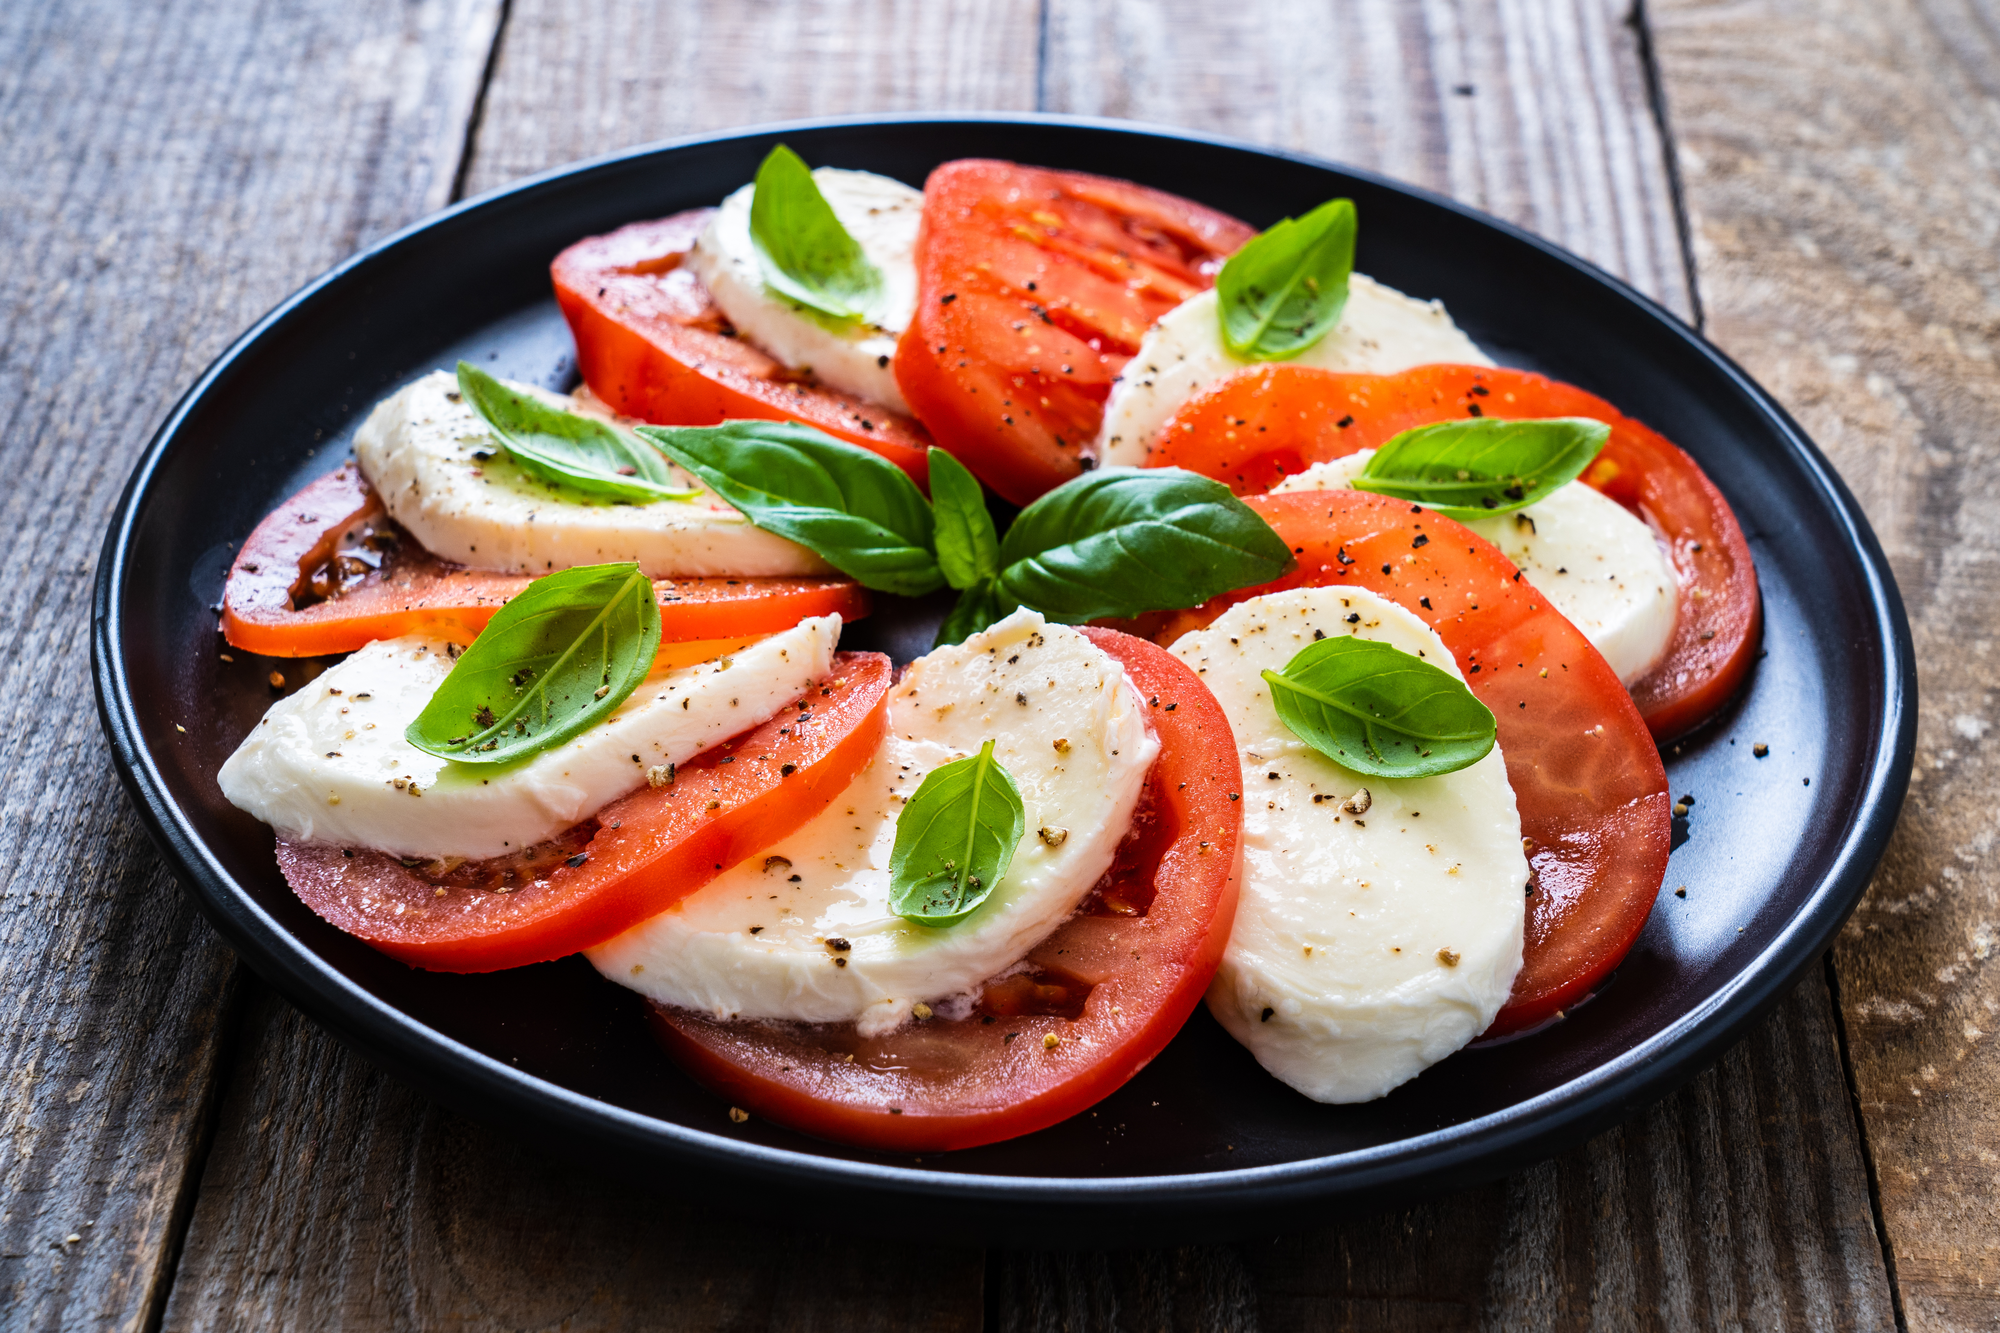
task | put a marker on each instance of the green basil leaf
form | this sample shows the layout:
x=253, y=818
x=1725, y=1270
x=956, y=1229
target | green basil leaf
x=1469, y=469
x=592, y=457
x=1130, y=540
x=553, y=662
x=1378, y=710
x=805, y=253
x=1284, y=290
x=968, y=549
x=855, y=509
x=955, y=839
x=981, y=605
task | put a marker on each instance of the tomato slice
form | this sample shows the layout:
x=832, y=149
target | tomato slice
x=1259, y=426
x=637, y=857
x=1034, y=287
x=1587, y=779
x=1111, y=985
x=652, y=345
x=328, y=571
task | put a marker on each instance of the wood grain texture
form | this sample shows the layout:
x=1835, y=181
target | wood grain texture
x=336, y=1198
x=1736, y=1203
x=131, y=139
x=576, y=78
x=1840, y=160
x=1535, y=110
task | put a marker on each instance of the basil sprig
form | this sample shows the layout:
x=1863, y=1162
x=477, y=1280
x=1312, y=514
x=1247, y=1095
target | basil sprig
x=1285, y=289
x=1377, y=710
x=1473, y=468
x=855, y=509
x=955, y=839
x=593, y=458
x=1120, y=542
x=804, y=252
x=556, y=660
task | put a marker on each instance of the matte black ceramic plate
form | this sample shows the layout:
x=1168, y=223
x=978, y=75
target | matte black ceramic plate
x=1774, y=854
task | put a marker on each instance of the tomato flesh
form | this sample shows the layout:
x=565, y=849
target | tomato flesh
x=635, y=858
x=1034, y=287
x=1587, y=778
x=652, y=345
x=1112, y=985
x=328, y=571
x=1259, y=426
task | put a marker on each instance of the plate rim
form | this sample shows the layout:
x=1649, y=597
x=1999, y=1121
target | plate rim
x=1456, y=1155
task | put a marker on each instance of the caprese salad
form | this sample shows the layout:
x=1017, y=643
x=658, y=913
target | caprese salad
x=1320, y=673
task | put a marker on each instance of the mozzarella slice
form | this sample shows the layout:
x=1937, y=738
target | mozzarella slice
x=443, y=476
x=880, y=213
x=1380, y=923
x=329, y=762
x=804, y=931
x=1600, y=566
x=1381, y=332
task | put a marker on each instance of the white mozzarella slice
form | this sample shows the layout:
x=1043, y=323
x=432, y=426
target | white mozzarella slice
x=1603, y=568
x=443, y=476
x=329, y=762
x=853, y=357
x=804, y=931
x=1381, y=332
x=1376, y=933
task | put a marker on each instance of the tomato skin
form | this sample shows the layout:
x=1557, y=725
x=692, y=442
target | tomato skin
x=649, y=850
x=1587, y=778
x=652, y=345
x=416, y=593
x=960, y=1083
x=1261, y=425
x=1034, y=287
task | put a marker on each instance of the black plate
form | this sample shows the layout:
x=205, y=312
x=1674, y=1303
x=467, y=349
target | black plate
x=1202, y=1142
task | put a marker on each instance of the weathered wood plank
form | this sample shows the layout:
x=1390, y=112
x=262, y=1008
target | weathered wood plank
x=574, y=79
x=167, y=172
x=1536, y=110
x=336, y=1198
x=1839, y=161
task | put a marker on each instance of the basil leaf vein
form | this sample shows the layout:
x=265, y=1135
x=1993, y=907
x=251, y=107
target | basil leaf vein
x=1125, y=541
x=1469, y=469
x=554, y=661
x=1286, y=288
x=955, y=839
x=1378, y=710
x=858, y=511
x=804, y=251
x=592, y=457
x=968, y=549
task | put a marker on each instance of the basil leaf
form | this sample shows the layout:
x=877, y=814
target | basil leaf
x=855, y=509
x=1284, y=290
x=803, y=250
x=554, y=661
x=1378, y=710
x=593, y=458
x=968, y=549
x=981, y=605
x=1129, y=540
x=1469, y=469
x=955, y=839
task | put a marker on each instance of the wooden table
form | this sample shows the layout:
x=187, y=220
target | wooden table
x=1816, y=183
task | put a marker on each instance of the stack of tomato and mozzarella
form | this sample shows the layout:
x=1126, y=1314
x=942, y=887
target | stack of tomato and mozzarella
x=1237, y=706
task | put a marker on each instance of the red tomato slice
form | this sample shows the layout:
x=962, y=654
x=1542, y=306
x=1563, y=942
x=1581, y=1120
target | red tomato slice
x=328, y=571
x=635, y=858
x=1259, y=426
x=652, y=345
x=1034, y=288
x=1112, y=985
x=1587, y=778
